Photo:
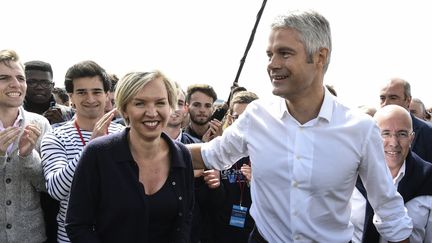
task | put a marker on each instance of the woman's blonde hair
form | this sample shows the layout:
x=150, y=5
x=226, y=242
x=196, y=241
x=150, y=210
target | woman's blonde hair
x=132, y=83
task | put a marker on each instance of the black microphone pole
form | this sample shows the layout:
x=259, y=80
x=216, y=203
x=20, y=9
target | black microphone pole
x=221, y=111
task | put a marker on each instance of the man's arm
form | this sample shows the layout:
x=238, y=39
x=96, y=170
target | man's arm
x=197, y=160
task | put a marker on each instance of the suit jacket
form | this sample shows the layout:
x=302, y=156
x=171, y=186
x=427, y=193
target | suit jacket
x=422, y=144
x=416, y=182
x=107, y=202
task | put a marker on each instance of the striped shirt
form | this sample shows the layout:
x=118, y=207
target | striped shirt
x=60, y=151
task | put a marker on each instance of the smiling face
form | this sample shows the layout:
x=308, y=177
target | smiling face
x=88, y=97
x=12, y=85
x=289, y=70
x=178, y=115
x=148, y=111
x=396, y=130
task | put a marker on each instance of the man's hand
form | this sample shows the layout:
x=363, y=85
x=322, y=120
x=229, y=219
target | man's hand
x=7, y=137
x=214, y=130
x=28, y=139
x=212, y=178
x=247, y=172
x=54, y=115
x=101, y=126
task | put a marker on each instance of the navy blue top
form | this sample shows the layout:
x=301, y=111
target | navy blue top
x=107, y=201
x=422, y=144
x=162, y=214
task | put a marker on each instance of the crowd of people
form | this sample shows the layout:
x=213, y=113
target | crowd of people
x=140, y=159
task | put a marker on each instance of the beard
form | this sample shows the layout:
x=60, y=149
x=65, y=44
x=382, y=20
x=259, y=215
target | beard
x=199, y=121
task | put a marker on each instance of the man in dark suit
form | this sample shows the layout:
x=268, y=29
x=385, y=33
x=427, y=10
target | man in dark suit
x=412, y=176
x=398, y=92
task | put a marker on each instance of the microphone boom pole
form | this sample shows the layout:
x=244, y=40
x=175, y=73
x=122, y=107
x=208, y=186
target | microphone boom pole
x=221, y=111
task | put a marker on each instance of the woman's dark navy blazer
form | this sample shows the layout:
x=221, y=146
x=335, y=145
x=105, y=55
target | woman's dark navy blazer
x=107, y=201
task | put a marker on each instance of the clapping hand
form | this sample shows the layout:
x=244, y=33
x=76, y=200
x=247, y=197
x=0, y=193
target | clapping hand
x=28, y=139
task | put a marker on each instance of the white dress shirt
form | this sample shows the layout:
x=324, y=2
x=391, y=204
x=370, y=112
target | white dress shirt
x=419, y=209
x=303, y=175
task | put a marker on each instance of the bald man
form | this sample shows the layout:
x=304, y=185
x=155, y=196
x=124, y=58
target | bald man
x=412, y=176
x=398, y=92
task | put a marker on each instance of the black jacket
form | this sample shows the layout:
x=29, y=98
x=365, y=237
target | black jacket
x=107, y=202
x=422, y=144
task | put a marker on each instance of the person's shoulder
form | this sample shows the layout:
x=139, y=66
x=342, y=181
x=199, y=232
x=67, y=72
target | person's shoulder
x=188, y=139
x=426, y=165
x=114, y=126
x=420, y=124
x=110, y=140
x=34, y=117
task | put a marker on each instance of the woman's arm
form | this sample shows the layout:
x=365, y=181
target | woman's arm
x=80, y=217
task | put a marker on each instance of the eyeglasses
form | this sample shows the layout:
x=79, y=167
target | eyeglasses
x=401, y=135
x=43, y=83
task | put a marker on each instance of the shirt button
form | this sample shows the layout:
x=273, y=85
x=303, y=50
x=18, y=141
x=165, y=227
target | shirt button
x=8, y=226
x=8, y=202
x=173, y=183
x=297, y=237
x=295, y=184
x=8, y=159
x=180, y=198
x=8, y=180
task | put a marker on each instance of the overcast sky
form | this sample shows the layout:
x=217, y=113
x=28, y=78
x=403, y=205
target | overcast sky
x=201, y=41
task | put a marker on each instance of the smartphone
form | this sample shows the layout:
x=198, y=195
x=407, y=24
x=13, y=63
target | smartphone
x=219, y=113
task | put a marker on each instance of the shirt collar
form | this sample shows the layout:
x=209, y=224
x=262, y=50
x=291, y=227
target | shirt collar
x=325, y=112
x=178, y=138
x=17, y=121
x=400, y=174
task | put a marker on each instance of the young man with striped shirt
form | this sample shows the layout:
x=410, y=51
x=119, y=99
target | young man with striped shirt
x=87, y=84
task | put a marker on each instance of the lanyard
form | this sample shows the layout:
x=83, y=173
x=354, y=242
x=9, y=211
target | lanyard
x=241, y=184
x=79, y=132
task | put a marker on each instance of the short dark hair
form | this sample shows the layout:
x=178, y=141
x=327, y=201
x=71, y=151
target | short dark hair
x=62, y=94
x=114, y=80
x=38, y=66
x=204, y=88
x=86, y=69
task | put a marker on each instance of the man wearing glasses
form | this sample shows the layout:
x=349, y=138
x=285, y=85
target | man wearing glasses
x=398, y=92
x=39, y=98
x=412, y=176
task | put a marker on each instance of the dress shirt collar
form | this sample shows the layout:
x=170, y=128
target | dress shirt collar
x=17, y=121
x=325, y=112
x=178, y=138
x=399, y=175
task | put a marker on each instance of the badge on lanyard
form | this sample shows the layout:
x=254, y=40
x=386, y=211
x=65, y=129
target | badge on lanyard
x=238, y=216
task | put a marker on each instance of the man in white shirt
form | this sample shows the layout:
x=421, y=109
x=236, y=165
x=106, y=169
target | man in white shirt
x=412, y=176
x=306, y=148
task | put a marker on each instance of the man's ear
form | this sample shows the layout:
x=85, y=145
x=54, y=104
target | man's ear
x=322, y=56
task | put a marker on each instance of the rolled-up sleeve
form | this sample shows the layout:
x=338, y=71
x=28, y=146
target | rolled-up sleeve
x=223, y=151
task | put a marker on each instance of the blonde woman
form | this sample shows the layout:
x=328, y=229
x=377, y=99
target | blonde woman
x=136, y=185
